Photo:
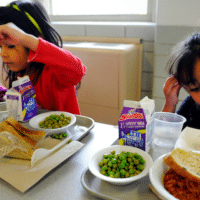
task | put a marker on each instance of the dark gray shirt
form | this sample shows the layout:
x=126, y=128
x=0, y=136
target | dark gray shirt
x=191, y=111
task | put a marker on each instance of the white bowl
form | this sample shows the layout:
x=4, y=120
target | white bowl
x=34, y=122
x=156, y=175
x=97, y=157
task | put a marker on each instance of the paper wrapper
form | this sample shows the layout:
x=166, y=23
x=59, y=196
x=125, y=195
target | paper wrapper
x=18, y=172
x=189, y=140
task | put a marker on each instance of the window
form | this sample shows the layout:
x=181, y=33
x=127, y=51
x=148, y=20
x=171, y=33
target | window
x=97, y=10
x=4, y=2
x=100, y=10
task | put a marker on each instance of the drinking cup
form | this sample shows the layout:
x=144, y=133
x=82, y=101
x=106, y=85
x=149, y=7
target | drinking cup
x=165, y=128
x=5, y=113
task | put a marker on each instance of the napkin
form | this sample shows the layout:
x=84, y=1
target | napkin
x=189, y=140
x=22, y=176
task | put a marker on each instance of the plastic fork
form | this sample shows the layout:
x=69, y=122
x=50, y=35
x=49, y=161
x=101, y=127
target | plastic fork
x=42, y=153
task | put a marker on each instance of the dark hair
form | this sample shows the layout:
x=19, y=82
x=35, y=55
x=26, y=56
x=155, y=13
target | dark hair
x=183, y=59
x=20, y=19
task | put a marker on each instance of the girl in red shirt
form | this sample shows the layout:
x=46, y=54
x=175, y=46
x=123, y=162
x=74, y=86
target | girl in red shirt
x=30, y=46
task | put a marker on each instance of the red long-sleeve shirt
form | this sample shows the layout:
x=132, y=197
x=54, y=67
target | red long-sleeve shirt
x=55, y=88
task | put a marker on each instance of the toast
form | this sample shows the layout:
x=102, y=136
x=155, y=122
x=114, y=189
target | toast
x=185, y=163
x=28, y=138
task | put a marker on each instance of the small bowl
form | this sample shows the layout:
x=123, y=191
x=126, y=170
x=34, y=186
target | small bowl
x=97, y=157
x=156, y=175
x=34, y=122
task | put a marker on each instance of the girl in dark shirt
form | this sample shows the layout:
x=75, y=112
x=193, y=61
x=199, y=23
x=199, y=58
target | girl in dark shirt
x=184, y=70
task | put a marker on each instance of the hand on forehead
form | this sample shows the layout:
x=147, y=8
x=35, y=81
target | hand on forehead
x=10, y=34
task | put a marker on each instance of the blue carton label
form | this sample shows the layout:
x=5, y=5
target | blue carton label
x=28, y=100
x=132, y=128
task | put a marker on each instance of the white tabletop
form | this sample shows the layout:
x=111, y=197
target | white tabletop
x=64, y=182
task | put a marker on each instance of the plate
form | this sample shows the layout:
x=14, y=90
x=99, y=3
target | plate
x=97, y=157
x=34, y=122
x=156, y=175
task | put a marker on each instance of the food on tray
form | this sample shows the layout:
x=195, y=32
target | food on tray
x=183, y=178
x=55, y=121
x=28, y=138
x=59, y=136
x=122, y=165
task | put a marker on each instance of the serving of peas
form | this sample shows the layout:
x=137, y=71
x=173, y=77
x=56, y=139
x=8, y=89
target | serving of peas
x=59, y=136
x=55, y=121
x=122, y=165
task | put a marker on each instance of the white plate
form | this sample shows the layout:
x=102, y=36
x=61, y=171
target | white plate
x=97, y=157
x=156, y=175
x=34, y=122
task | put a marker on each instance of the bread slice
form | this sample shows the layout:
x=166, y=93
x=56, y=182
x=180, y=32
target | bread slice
x=185, y=163
x=28, y=138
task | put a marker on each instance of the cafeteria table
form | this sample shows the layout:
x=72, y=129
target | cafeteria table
x=64, y=181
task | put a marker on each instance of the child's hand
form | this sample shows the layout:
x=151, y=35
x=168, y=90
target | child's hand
x=10, y=34
x=171, y=90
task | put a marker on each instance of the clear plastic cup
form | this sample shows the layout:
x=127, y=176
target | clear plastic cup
x=5, y=113
x=166, y=128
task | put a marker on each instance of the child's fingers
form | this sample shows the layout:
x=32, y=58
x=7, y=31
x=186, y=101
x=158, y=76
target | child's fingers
x=172, y=81
x=171, y=86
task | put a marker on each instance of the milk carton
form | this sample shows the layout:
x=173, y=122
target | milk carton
x=23, y=98
x=132, y=123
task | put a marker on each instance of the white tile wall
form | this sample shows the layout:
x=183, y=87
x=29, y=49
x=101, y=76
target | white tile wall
x=166, y=38
x=148, y=61
x=160, y=69
x=105, y=30
x=147, y=81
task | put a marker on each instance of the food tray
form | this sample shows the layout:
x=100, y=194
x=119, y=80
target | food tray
x=78, y=130
x=81, y=127
x=138, y=190
x=101, y=189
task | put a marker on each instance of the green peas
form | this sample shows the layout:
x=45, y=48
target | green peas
x=110, y=164
x=131, y=171
x=55, y=121
x=114, y=161
x=140, y=167
x=123, y=172
x=100, y=164
x=104, y=168
x=103, y=172
x=60, y=136
x=136, y=161
x=113, y=152
x=123, y=165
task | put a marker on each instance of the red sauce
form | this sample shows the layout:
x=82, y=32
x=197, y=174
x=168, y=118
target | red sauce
x=180, y=187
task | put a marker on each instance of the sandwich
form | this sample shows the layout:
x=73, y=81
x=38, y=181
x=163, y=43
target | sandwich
x=27, y=139
x=182, y=180
x=184, y=163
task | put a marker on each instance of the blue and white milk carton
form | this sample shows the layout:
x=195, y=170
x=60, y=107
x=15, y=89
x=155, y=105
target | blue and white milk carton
x=133, y=121
x=23, y=97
